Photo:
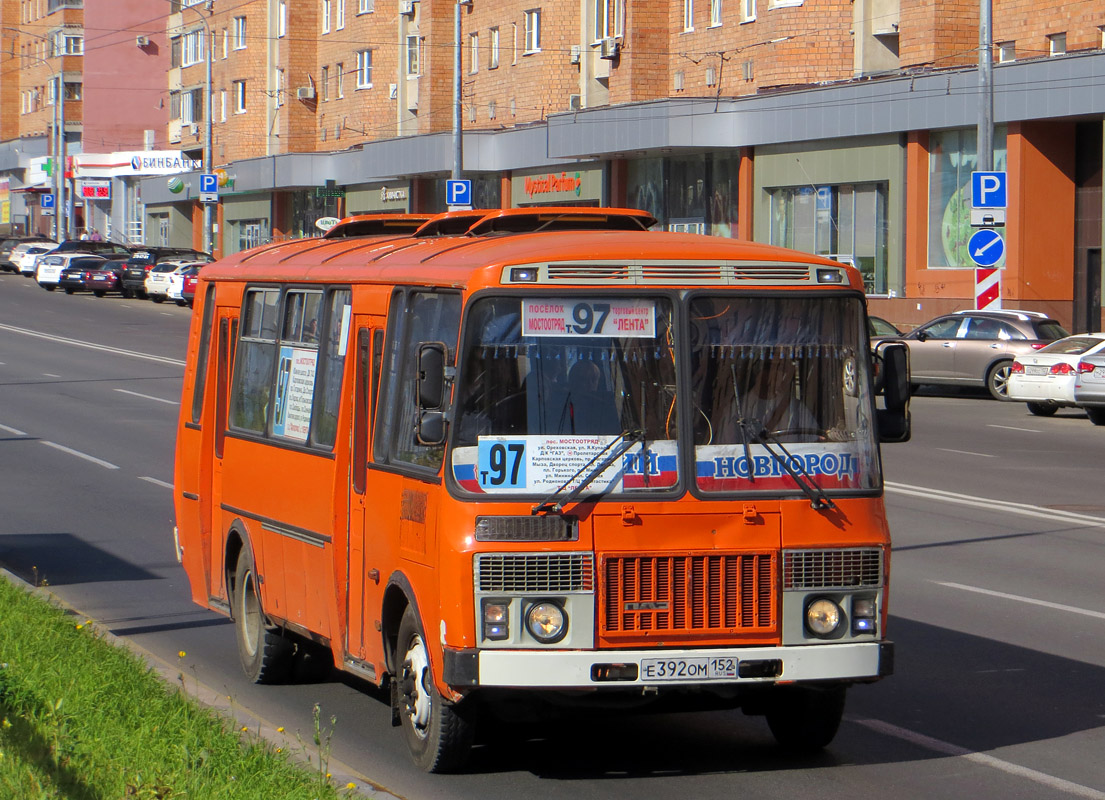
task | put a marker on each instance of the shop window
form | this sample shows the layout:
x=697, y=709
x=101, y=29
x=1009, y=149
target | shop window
x=697, y=193
x=953, y=157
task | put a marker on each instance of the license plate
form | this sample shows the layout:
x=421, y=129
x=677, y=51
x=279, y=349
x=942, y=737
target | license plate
x=1035, y=370
x=1099, y=372
x=688, y=669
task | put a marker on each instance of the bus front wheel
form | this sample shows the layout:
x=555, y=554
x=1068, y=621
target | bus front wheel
x=805, y=720
x=265, y=655
x=438, y=737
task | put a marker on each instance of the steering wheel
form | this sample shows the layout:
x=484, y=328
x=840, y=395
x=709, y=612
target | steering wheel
x=819, y=435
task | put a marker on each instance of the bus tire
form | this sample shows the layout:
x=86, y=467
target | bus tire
x=805, y=720
x=438, y=737
x=266, y=656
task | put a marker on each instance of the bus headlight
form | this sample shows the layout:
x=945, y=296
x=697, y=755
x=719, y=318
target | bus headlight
x=823, y=617
x=547, y=622
x=863, y=615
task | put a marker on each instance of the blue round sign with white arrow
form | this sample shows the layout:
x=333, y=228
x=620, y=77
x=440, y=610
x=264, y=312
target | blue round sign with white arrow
x=986, y=247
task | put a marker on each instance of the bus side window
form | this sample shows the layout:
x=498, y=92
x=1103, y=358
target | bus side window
x=324, y=425
x=363, y=395
x=252, y=385
x=426, y=317
x=199, y=382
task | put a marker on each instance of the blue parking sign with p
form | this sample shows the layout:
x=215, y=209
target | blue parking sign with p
x=47, y=201
x=209, y=183
x=988, y=190
x=458, y=192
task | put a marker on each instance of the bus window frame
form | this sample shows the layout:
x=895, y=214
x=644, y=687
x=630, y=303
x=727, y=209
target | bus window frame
x=395, y=369
x=203, y=357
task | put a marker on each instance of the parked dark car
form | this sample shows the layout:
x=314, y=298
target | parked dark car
x=105, y=277
x=142, y=260
x=188, y=290
x=72, y=278
x=105, y=249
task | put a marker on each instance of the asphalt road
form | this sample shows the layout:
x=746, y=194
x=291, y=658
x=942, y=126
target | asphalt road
x=996, y=602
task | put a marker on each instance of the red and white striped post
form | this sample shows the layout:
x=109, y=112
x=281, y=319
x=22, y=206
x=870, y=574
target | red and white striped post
x=987, y=289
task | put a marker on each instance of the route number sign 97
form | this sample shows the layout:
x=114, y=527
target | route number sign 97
x=589, y=317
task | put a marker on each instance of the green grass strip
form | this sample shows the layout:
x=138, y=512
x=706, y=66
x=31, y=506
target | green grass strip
x=83, y=719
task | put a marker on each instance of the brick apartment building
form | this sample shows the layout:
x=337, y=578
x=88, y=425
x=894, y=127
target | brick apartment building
x=842, y=127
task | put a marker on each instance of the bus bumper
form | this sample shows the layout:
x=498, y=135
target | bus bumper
x=577, y=669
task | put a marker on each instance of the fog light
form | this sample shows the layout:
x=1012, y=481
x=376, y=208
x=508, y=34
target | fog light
x=830, y=276
x=823, y=617
x=547, y=622
x=496, y=620
x=523, y=275
x=863, y=615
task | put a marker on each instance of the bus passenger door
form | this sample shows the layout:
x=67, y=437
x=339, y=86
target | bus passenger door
x=365, y=582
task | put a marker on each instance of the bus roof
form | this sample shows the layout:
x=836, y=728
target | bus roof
x=570, y=246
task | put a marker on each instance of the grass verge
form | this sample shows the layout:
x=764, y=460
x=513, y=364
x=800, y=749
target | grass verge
x=83, y=719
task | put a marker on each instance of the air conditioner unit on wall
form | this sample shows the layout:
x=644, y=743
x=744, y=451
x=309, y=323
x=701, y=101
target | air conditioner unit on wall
x=609, y=49
x=305, y=93
x=142, y=41
x=406, y=6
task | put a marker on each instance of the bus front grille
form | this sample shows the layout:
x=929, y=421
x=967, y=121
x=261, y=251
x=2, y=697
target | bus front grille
x=832, y=569
x=694, y=595
x=517, y=573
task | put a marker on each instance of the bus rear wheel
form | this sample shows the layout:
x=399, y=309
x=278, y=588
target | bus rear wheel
x=438, y=737
x=805, y=720
x=266, y=656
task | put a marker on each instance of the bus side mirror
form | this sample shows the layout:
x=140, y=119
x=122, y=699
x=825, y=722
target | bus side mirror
x=893, y=417
x=431, y=428
x=431, y=375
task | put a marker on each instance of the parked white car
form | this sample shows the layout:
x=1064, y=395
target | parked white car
x=176, y=281
x=50, y=266
x=159, y=277
x=1046, y=378
x=25, y=256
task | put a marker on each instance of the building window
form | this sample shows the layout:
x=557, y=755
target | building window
x=688, y=15
x=493, y=57
x=193, y=48
x=619, y=17
x=602, y=19
x=67, y=44
x=492, y=109
x=784, y=3
x=748, y=10
x=364, y=69
x=282, y=19
x=325, y=81
x=473, y=53
x=339, y=79
x=239, y=33
x=239, y=97
x=514, y=43
x=366, y=6
x=222, y=105
x=280, y=88
x=414, y=66
x=226, y=42
x=1057, y=44
x=325, y=16
x=953, y=155
x=847, y=222
x=533, y=30
x=339, y=23
x=1007, y=51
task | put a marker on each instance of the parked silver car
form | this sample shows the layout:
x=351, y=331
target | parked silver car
x=976, y=348
x=1089, y=387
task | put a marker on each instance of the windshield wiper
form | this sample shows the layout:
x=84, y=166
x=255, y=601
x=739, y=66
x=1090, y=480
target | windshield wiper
x=755, y=430
x=620, y=445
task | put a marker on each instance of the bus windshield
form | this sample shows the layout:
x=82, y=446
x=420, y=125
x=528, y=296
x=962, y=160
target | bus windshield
x=784, y=374
x=780, y=395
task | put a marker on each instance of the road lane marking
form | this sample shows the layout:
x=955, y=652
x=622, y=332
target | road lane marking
x=79, y=454
x=13, y=431
x=1012, y=428
x=947, y=748
x=155, y=481
x=149, y=397
x=50, y=375
x=1023, y=509
x=1020, y=599
x=90, y=346
x=966, y=452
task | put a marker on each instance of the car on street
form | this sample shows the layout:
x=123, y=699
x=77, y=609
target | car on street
x=176, y=282
x=52, y=267
x=879, y=328
x=977, y=348
x=12, y=250
x=103, y=277
x=188, y=289
x=143, y=260
x=159, y=279
x=1045, y=379
x=1089, y=386
x=26, y=255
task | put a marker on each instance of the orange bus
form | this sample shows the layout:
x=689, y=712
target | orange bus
x=535, y=458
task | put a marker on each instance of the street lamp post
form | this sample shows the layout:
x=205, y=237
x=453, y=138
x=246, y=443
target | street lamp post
x=208, y=44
